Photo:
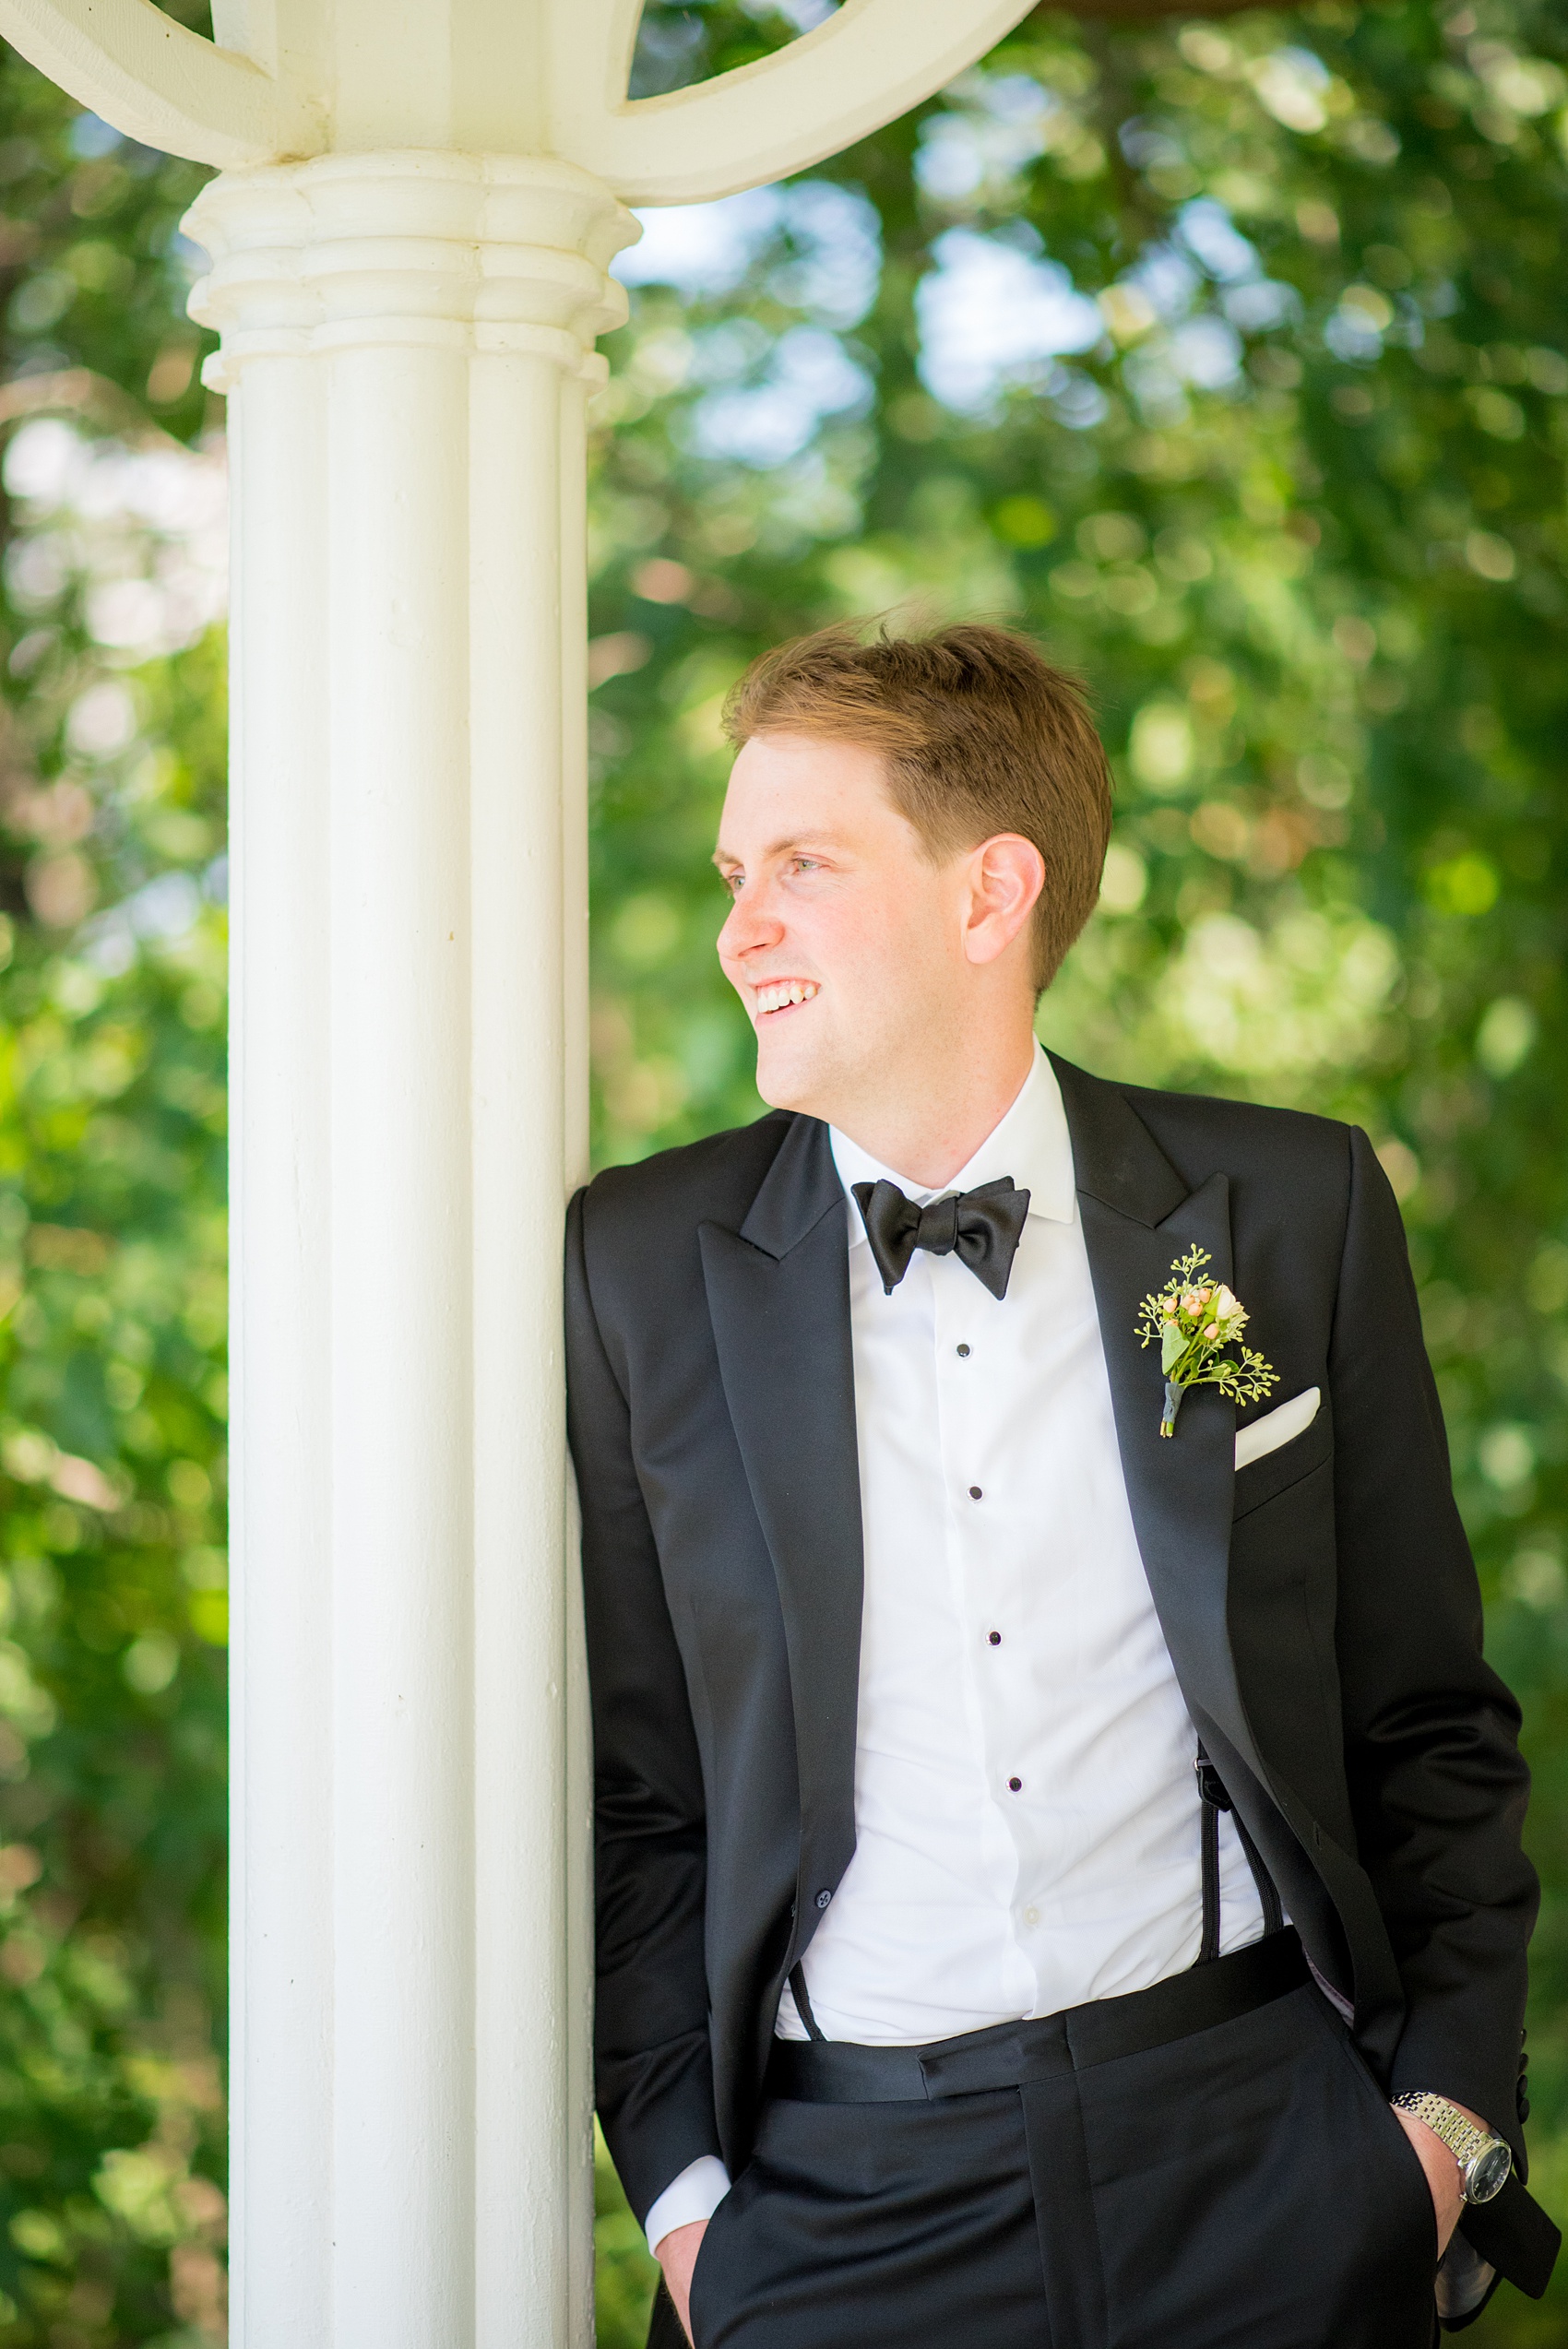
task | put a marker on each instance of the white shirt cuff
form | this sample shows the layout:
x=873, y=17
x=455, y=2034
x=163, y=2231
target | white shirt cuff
x=694, y=2195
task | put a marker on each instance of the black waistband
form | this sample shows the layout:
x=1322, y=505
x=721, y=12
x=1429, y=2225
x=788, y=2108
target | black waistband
x=835, y=2071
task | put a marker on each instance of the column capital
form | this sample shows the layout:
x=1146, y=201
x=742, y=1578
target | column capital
x=475, y=253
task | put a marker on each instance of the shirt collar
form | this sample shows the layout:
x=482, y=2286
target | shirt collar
x=1031, y=1145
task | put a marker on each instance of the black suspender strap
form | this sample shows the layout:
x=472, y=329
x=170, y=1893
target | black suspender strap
x=1273, y=1913
x=1213, y=1799
x=802, y=2003
x=1209, y=1948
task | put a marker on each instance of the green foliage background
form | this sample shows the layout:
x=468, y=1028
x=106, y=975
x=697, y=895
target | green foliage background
x=1294, y=504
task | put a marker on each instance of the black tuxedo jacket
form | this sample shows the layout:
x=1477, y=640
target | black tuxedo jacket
x=1320, y=1605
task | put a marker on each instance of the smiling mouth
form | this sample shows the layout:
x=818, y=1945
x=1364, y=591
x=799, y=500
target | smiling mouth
x=783, y=995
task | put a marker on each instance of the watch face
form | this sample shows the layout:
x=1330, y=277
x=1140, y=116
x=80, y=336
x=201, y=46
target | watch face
x=1489, y=2174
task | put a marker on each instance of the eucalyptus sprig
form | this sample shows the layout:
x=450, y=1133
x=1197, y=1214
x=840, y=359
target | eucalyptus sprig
x=1194, y=1320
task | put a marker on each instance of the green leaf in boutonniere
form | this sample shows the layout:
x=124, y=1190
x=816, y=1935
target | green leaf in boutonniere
x=1198, y=1322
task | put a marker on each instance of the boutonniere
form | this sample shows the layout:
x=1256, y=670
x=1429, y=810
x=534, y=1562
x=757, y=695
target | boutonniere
x=1198, y=1324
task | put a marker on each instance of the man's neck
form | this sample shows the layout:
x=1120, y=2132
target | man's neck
x=927, y=1136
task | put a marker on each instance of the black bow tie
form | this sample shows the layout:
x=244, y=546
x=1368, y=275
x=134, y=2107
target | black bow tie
x=983, y=1227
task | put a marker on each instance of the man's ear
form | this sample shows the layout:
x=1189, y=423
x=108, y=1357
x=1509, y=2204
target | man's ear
x=1006, y=875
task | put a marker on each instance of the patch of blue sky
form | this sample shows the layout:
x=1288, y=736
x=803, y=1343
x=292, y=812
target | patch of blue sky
x=998, y=130
x=810, y=376
x=837, y=265
x=1250, y=299
x=1168, y=280
x=1205, y=351
x=820, y=245
x=1209, y=233
x=91, y=137
x=1148, y=144
x=162, y=910
x=701, y=248
x=805, y=15
x=1353, y=338
x=991, y=315
x=1261, y=304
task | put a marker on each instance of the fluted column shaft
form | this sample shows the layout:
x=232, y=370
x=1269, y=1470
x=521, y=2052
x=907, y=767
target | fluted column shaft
x=406, y=343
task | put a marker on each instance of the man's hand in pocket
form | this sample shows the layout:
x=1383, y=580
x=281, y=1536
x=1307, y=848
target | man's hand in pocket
x=1444, y=2176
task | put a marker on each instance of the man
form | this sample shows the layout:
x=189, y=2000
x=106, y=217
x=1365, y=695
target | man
x=1033, y=1850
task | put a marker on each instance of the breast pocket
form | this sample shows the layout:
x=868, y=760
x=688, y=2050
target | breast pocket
x=1264, y=1480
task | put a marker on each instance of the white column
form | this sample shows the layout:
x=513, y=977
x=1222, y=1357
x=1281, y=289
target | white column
x=575, y=942
x=405, y=343
x=281, y=1636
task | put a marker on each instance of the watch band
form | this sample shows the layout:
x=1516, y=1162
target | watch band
x=1464, y=2139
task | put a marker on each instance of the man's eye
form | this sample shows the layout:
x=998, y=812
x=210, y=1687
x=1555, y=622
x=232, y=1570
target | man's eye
x=805, y=865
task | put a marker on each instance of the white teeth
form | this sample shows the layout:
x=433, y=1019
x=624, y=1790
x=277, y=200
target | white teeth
x=780, y=993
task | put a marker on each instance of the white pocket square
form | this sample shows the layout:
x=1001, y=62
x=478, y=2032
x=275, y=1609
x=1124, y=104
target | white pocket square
x=1280, y=1426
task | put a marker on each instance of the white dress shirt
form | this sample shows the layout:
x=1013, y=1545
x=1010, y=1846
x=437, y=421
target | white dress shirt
x=1027, y=1817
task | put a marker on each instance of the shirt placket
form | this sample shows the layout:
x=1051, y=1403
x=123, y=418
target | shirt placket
x=980, y=1590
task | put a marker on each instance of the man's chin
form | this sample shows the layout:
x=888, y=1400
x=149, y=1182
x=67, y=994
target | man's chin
x=788, y=1078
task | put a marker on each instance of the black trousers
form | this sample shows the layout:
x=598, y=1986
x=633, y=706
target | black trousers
x=1243, y=2187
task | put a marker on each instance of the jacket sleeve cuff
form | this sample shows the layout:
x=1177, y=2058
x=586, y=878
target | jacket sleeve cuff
x=694, y=2195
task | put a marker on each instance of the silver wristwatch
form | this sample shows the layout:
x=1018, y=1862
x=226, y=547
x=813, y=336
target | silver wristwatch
x=1484, y=2160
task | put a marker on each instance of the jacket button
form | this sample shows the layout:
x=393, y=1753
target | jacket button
x=823, y=1899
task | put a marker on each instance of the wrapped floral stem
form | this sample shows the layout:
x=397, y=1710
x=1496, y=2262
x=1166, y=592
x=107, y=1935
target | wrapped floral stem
x=1198, y=1324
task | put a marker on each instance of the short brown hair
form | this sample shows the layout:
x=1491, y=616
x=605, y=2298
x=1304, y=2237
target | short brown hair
x=980, y=736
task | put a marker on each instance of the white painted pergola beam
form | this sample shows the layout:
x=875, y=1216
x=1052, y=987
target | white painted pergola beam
x=869, y=62
x=291, y=79
x=152, y=78
x=410, y=238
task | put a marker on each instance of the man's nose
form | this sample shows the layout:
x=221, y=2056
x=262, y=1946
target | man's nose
x=750, y=924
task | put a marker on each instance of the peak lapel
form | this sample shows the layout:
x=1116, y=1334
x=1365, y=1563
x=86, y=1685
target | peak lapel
x=1138, y=1216
x=779, y=1300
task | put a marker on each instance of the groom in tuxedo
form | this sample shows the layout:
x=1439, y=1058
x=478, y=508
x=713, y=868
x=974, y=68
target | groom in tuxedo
x=1059, y=1883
